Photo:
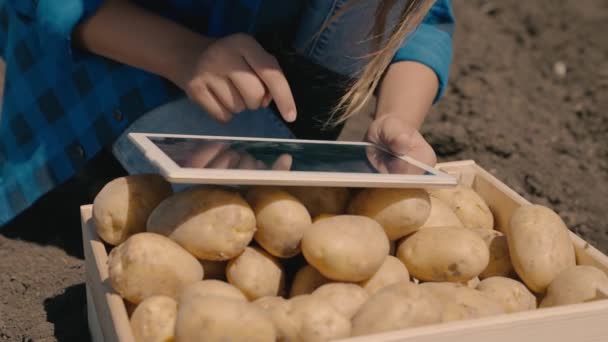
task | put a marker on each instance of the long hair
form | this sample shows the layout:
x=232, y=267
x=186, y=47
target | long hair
x=361, y=91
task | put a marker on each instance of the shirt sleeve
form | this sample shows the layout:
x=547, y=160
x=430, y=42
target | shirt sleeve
x=431, y=43
x=56, y=21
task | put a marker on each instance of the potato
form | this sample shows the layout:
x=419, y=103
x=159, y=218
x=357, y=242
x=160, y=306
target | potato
x=214, y=269
x=322, y=216
x=256, y=273
x=306, y=280
x=317, y=320
x=345, y=248
x=511, y=294
x=211, y=223
x=321, y=200
x=211, y=318
x=392, y=271
x=122, y=207
x=399, y=211
x=470, y=208
x=281, y=314
x=473, y=283
x=281, y=221
x=460, y=302
x=345, y=298
x=149, y=264
x=212, y=288
x=444, y=254
x=441, y=215
x=397, y=306
x=577, y=284
x=154, y=319
x=539, y=245
x=500, y=261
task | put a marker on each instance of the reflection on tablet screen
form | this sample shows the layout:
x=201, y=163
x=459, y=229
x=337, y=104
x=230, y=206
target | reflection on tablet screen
x=284, y=156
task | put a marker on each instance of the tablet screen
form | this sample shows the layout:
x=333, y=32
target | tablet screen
x=229, y=154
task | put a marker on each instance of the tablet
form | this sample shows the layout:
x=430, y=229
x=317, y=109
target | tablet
x=197, y=159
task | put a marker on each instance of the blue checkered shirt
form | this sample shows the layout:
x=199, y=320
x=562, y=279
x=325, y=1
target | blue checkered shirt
x=61, y=105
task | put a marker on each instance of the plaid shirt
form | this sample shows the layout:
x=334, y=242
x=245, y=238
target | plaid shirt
x=62, y=105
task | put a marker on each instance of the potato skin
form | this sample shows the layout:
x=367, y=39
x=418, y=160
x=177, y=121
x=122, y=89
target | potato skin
x=321, y=200
x=306, y=280
x=539, y=245
x=345, y=248
x=256, y=273
x=211, y=223
x=511, y=294
x=281, y=220
x=280, y=312
x=577, y=284
x=441, y=215
x=317, y=320
x=470, y=208
x=460, y=302
x=346, y=298
x=444, y=254
x=211, y=318
x=397, y=306
x=154, y=319
x=212, y=287
x=123, y=206
x=149, y=264
x=399, y=211
x=500, y=260
x=392, y=271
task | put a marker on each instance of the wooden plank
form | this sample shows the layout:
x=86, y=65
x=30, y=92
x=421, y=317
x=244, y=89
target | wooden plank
x=93, y=320
x=109, y=306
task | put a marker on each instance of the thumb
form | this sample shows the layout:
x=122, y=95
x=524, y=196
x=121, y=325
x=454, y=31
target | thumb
x=396, y=135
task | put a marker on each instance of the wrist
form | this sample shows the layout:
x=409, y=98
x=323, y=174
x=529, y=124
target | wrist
x=184, y=58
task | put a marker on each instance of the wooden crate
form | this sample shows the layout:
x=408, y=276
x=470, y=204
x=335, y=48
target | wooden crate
x=588, y=322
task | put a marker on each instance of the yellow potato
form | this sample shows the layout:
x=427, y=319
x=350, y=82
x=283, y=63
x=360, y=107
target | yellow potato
x=460, y=302
x=444, y=254
x=345, y=298
x=149, y=264
x=212, y=318
x=211, y=223
x=321, y=200
x=539, y=245
x=345, y=248
x=399, y=211
x=122, y=207
x=256, y=273
x=500, y=261
x=577, y=284
x=154, y=319
x=322, y=216
x=398, y=306
x=280, y=312
x=212, y=287
x=441, y=215
x=392, y=271
x=281, y=221
x=511, y=294
x=317, y=320
x=306, y=280
x=214, y=269
x=470, y=208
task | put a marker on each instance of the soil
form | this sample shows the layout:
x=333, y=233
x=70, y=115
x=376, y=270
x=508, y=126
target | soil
x=526, y=101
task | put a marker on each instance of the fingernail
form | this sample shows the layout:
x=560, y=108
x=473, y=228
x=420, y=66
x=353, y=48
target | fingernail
x=291, y=116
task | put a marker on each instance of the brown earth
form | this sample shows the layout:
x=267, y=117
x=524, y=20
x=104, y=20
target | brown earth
x=511, y=106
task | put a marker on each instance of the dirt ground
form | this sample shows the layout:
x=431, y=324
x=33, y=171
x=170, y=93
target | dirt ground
x=527, y=101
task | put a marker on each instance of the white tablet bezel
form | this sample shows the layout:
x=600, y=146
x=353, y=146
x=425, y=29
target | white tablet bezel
x=176, y=174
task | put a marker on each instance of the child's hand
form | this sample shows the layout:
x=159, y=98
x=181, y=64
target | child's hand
x=235, y=73
x=393, y=133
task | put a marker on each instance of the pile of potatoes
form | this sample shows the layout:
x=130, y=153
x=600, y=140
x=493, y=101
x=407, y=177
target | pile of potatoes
x=317, y=264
